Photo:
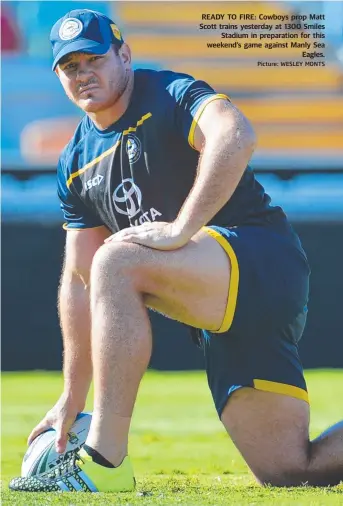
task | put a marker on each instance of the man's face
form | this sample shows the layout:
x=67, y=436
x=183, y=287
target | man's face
x=95, y=82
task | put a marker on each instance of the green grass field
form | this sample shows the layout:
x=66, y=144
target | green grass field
x=180, y=451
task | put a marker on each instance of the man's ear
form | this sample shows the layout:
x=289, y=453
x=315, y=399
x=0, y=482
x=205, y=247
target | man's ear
x=125, y=53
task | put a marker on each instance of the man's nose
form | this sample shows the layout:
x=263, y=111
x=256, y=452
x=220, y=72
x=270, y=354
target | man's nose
x=83, y=70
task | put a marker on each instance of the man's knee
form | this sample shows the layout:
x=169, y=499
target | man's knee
x=281, y=475
x=114, y=261
x=271, y=432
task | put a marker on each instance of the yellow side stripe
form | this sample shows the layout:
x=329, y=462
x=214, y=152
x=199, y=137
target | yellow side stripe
x=234, y=280
x=281, y=388
x=108, y=152
x=92, y=163
x=199, y=113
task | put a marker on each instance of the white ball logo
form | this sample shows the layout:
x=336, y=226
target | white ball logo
x=70, y=28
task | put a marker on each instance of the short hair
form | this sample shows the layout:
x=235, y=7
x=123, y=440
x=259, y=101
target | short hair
x=116, y=48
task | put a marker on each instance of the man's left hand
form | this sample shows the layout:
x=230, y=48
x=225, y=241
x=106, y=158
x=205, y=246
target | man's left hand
x=157, y=235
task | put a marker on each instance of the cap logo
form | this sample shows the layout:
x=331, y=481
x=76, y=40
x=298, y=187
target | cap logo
x=70, y=28
x=116, y=31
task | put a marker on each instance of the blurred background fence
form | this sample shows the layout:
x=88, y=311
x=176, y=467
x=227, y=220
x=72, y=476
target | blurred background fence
x=297, y=113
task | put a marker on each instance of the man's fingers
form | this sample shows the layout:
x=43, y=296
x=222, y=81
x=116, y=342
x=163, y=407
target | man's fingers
x=127, y=237
x=41, y=427
x=61, y=442
x=117, y=237
x=143, y=241
x=62, y=436
x=128, y=233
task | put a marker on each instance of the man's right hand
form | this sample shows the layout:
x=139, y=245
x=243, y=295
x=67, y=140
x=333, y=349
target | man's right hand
x=61, y=417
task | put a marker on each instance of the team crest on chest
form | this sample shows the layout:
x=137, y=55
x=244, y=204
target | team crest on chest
x=133, y=148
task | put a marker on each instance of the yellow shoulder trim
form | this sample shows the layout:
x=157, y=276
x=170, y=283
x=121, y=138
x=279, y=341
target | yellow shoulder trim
x=199, y=112
x=234, y=280
x=281, y=388
x=108, y=152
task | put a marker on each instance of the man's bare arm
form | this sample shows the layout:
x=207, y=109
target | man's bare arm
x=75, y=323
x=74, y=311
x=226, y=141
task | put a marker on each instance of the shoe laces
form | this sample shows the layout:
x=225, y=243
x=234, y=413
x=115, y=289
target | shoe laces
x=70, y=462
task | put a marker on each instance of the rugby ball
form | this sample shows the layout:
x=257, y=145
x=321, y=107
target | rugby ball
x=41, y=455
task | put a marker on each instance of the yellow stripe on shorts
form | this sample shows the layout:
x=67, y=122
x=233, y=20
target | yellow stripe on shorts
x=281, y=388
x=234, y=280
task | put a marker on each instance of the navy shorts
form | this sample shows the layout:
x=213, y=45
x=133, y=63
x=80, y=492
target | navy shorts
x=257, y=344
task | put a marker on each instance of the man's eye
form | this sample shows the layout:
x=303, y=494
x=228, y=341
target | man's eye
x=70, y=66
x=93, y=58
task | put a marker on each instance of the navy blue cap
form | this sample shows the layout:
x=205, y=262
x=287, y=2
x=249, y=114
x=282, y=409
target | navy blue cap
x=83, y=30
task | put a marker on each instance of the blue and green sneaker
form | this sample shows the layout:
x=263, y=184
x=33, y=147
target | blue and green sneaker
x=78, y=473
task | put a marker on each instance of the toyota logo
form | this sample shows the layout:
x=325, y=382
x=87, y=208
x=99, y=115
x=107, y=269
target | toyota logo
x=127, y=198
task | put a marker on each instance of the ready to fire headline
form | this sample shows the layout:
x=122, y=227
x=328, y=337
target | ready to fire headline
x=264, y=17
x=294, y=21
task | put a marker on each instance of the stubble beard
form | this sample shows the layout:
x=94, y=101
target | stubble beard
x=115, y=96
x=121, y=88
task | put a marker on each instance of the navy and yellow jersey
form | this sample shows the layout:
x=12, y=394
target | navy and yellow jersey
x=143, y=167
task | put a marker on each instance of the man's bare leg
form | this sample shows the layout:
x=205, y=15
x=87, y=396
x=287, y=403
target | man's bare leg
x=121, y=349
x=189, y=284
x=272, y=433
